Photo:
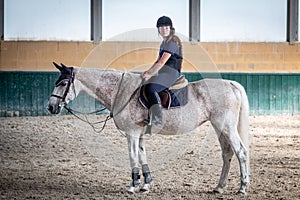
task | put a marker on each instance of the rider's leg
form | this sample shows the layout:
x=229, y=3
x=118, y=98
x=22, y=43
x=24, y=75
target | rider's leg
x=152, y=91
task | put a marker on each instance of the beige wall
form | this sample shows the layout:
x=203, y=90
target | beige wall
x=136, y=56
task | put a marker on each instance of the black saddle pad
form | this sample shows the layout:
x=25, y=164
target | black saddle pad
x=169, y=98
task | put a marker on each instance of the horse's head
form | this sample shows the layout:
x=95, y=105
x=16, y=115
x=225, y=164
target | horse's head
x=64, y=90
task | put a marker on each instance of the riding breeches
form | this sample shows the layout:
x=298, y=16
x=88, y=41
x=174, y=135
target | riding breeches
x=165, y=78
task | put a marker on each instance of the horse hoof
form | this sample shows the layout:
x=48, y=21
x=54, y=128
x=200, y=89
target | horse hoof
x=145, y=188
x=242, y=192
x=218, y=190
x=133, y=190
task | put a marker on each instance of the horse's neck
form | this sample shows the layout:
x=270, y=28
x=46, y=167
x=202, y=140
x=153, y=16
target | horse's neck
x=100, y=84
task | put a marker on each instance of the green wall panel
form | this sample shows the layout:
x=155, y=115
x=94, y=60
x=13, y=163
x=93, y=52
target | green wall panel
x=27, y=93
x=268, y=93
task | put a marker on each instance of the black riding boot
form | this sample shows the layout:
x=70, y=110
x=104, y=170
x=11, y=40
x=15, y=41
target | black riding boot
x=156, y=112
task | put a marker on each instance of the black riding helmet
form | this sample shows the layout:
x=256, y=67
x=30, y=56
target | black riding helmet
x=164, y=21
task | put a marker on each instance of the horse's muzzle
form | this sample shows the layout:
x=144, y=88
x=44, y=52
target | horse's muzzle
x=54, y=106
x=53, y=109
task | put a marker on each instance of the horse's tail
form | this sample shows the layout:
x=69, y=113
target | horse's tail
x=243, y=124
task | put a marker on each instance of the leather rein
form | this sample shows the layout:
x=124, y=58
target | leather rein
x=70, y=81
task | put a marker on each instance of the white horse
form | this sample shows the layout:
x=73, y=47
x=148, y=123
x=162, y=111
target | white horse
x=222, y=102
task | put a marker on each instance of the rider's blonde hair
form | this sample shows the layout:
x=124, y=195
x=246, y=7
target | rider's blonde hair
x=173, y=37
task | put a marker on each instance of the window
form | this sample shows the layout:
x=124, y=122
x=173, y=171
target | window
x=135, y=20
x=245, y=21
x=47, y=20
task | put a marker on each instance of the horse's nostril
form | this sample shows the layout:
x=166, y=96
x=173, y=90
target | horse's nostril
x=50, y=108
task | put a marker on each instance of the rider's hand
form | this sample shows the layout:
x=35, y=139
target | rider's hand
x=146, y=75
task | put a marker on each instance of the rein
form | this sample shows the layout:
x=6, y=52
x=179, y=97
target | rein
x=111, y=115
x=92, y=124
x=70, y=80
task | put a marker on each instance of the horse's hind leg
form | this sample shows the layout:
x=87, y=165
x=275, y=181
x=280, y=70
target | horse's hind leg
x=241, y=153
x=227, y=154
x=230, y=139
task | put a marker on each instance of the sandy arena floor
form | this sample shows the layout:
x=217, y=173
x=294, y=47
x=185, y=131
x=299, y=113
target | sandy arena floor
x=63, y=158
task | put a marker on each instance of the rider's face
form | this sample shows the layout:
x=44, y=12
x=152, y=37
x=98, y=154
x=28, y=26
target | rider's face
x=164, y=31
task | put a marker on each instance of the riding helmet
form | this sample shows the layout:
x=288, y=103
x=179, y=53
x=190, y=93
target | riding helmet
x=164, y=21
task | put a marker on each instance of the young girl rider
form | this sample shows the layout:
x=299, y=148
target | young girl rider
x=166, y=69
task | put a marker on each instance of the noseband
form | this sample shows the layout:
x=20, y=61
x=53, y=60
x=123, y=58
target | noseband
x=70, y=80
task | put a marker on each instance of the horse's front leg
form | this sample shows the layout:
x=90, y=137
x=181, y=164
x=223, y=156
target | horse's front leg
x=145, y=167
x=137, y=155
x=133, y=150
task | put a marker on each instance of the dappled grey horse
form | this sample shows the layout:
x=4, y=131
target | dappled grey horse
x=222, y=102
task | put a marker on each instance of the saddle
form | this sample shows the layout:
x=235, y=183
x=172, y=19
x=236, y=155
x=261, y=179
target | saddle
x=173, y=97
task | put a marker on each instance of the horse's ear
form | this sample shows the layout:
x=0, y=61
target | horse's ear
x=63, y=65
x=67, y=69
x=57, y=66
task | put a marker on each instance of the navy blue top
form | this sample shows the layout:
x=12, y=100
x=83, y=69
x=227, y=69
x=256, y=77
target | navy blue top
x=175, y=61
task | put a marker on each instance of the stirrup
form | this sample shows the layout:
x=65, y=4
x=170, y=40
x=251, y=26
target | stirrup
x=148, y=130
x=149, y=126
x=147, y=121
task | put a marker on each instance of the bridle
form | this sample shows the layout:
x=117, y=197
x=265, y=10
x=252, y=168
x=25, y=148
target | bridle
x=70, y=80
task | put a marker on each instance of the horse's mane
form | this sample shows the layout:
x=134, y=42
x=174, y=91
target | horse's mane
x=94, y=71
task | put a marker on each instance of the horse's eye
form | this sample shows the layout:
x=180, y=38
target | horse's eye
x=61, y=83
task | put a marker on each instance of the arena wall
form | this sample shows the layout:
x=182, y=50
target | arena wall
x=228, y=56
x=269, y=71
